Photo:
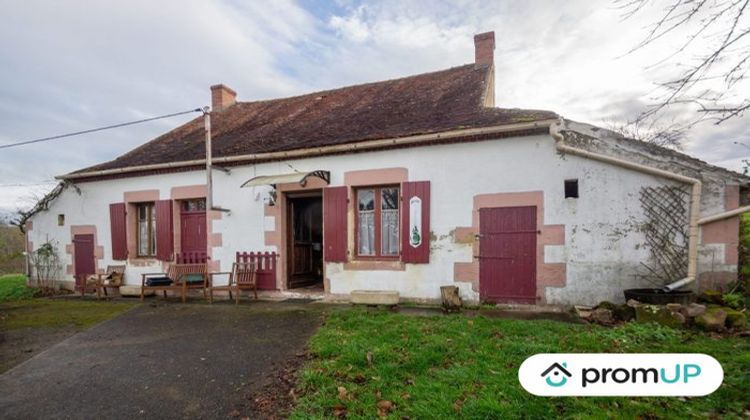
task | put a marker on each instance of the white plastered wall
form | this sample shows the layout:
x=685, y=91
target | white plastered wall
x=603, y=246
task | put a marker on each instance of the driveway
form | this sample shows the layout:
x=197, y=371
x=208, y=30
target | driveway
x=161, y=361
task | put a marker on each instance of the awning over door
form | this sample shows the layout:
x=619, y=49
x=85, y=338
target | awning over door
x=298, y=177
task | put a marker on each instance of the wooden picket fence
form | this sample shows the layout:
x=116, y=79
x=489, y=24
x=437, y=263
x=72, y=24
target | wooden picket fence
x=191, y=257
x=266, y=263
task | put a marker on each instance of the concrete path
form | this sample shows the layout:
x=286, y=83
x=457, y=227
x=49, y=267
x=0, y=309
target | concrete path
x=161, y=361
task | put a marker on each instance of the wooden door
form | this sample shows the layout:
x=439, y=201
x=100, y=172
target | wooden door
x=193, y=232
x=305, y=237
x=302, y=245
x=83, y=250
x=507, y=260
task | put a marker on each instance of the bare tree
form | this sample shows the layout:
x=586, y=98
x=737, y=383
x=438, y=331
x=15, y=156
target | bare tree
x=651, y=131
x=745, y=162
x=712, y=61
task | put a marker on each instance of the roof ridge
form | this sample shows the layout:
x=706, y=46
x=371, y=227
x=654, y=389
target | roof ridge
x=338, y=89
x=425, y=103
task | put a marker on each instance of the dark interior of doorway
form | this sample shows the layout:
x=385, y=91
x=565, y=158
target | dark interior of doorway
x=305, y=267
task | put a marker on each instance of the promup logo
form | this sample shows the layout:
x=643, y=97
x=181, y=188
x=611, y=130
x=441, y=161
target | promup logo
x=621, y=374
x=556, y=375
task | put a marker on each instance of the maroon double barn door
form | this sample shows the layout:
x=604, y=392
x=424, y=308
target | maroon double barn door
x=507, y=260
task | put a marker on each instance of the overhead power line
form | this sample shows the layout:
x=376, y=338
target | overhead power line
x=93, y=130
x=29, y=184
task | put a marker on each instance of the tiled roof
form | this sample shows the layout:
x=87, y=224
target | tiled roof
x=427, y=103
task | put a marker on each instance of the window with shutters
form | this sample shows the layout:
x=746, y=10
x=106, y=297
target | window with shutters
x=146, y=234
x=377, y=225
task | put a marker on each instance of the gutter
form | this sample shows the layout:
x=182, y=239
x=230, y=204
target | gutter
x=725, y=215
x=695, y=197
x=324, y=150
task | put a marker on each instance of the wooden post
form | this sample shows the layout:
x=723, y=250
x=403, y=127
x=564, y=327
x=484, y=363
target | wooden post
x=209, y=185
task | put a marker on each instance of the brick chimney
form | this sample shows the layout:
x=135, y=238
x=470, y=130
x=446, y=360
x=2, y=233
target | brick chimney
x=484, y=57
x=484, y=49
x=222, y=97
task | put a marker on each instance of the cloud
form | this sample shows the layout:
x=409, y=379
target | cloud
x=74, y=65
x=77, y=65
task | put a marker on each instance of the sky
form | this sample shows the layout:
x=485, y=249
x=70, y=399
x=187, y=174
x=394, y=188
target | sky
x=75, y=65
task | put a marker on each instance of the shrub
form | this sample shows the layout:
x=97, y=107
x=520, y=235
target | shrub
x=636, y=333
x=47, y=265
x=13, y=287
x=735, y=300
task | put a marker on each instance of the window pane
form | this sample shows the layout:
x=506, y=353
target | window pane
x=389, y=198
x=194, y=205
x=142, y=230
x=389, y=239
x=366, y=217
x=366, y=199
x=152, y=210
x=146, y=230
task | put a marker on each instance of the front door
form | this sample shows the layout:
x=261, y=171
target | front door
x=507, y=260
x=83, y=249
x=193, y=226
x=305, y=241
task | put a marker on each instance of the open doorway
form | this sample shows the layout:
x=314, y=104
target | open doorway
x=305, y=240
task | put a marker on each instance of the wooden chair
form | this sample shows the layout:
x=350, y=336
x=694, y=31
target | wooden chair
x=85, y=283
x=178, y=278
x=113, y=278
x=242, y=277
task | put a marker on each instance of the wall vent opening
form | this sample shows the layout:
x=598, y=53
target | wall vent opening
x=60, y=220
x=571, y=188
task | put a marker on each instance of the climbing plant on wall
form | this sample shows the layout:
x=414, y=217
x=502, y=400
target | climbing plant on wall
x=666, y=232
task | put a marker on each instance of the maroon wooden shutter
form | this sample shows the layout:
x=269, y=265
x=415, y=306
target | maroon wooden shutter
x=119, y=231
x=335, y=219
x=410, y=253
x=164, y=230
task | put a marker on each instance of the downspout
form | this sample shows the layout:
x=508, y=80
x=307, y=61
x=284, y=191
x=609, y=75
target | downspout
x=695, y=196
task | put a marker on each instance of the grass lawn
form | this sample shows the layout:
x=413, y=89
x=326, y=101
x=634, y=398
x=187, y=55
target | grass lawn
x=29, y=325
x=18, y=309
x=13, y=287
x=57, y=313
x=455, y=366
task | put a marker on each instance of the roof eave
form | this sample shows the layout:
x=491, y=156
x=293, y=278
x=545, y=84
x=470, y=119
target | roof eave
x=414, y=140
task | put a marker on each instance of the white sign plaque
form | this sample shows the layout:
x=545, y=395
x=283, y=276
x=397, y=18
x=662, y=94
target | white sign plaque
x=415, y=222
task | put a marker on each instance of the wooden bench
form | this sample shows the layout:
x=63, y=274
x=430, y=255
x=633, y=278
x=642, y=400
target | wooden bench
x=242, y=277
x=178, y=278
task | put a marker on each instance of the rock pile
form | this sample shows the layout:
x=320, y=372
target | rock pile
x=709, y=317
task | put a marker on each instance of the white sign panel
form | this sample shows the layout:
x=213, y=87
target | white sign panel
x=614, y=375
x=415, y=222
